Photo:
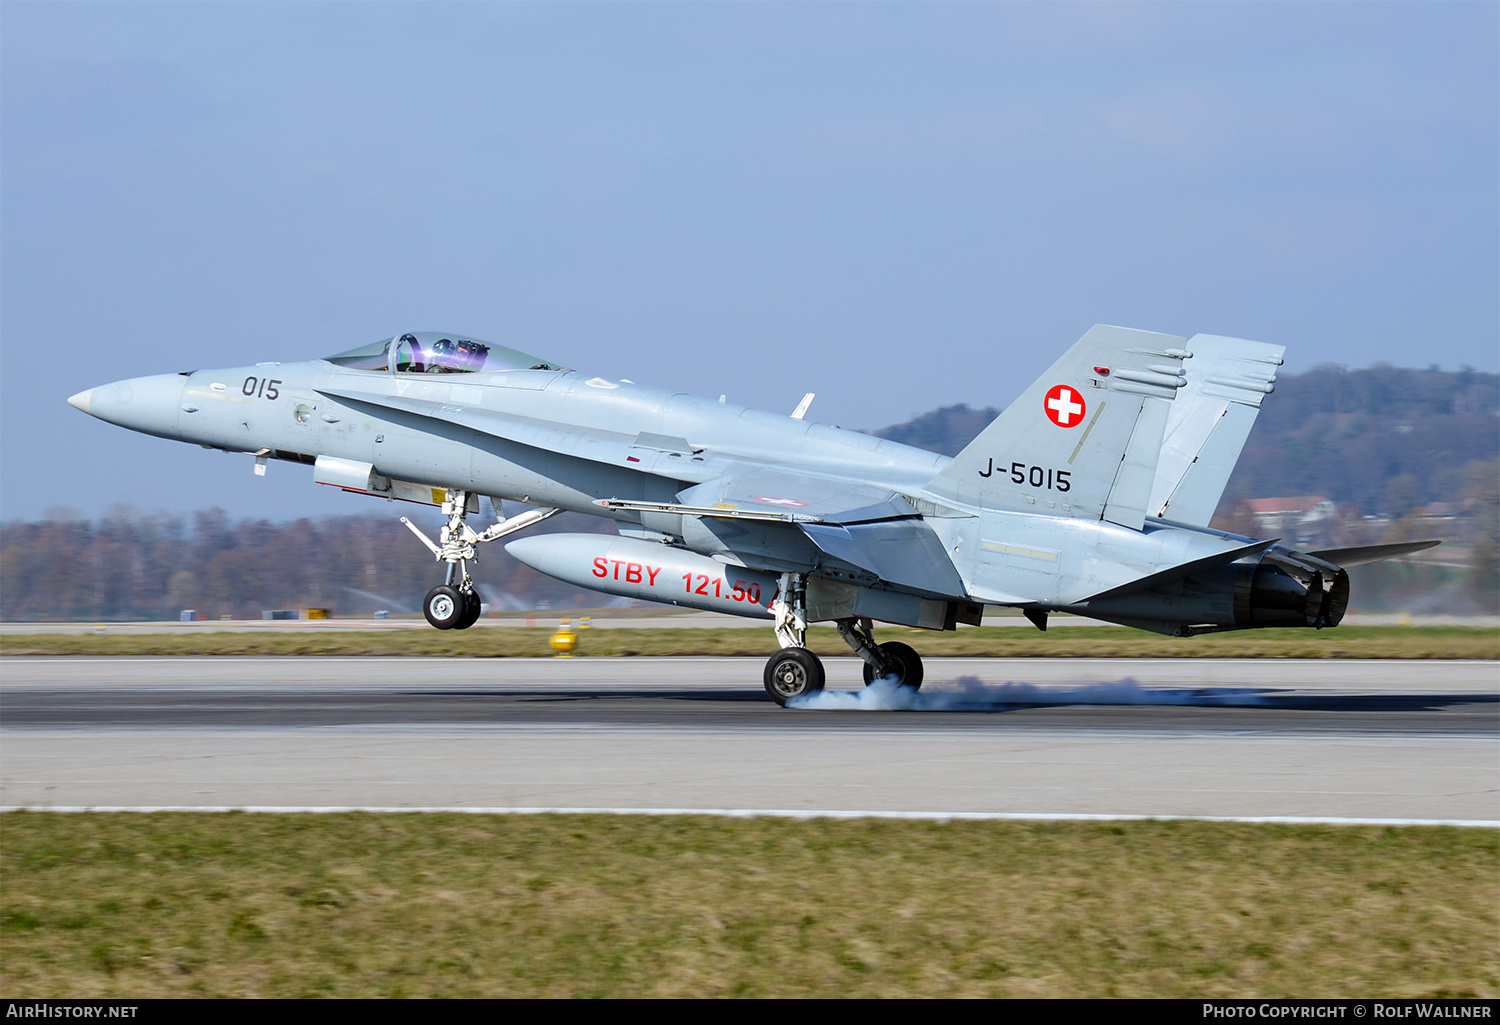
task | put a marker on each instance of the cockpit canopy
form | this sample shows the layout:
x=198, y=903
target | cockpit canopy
x=438, y=352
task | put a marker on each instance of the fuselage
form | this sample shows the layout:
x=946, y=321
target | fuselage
x=286, y=409
x=559, y=438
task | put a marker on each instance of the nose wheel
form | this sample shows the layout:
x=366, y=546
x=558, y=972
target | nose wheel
x=472, y=608
x=451, y=608
x=454, y=604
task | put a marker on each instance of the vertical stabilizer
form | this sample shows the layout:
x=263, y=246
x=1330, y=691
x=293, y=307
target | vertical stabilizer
x=1084, y=439
x=1208, y=423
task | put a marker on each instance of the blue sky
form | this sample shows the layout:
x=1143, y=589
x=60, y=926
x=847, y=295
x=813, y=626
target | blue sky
x=897, y=206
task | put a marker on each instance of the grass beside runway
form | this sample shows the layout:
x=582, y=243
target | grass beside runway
x=177, y=904
x=1424, y=642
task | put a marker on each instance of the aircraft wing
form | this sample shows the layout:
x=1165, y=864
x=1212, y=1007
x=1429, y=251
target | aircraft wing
x=859, y=525
x=1208, y=423
x=752, y=491
x=904, y=552
x=753, y=486
x=871, y=531
x=858, y=530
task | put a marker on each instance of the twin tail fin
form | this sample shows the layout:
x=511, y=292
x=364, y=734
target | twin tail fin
x=1084, y=440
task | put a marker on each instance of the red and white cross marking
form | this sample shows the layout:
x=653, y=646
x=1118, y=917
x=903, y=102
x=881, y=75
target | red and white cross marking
x=1064, y=406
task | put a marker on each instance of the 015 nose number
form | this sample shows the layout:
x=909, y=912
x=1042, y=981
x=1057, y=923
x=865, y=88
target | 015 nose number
x=260, y=388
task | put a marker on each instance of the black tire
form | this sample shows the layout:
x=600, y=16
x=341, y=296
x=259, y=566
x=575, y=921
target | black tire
x=444, y=607
x=793, y=673
x=472, y=608
x=909, y=673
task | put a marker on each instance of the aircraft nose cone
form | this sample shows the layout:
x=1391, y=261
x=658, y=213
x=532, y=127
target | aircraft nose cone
x=145, y=404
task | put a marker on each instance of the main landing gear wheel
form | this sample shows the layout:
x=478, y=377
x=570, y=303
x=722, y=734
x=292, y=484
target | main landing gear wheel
x=793, y=673
x=909, y=663
x=444, y=607
x=472, y=608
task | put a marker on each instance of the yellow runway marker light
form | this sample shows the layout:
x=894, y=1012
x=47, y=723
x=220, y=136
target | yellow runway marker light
x=564, y=641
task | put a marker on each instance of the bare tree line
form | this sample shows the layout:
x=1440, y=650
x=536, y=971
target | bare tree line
x=151, y=566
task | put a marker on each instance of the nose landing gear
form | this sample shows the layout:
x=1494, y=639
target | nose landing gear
x=455, y=604
x=451, y=608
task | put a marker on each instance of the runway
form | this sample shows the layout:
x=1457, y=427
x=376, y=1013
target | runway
x=1300, y=740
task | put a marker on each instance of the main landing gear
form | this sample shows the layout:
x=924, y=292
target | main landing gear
x=795, y=672
x=454, y=604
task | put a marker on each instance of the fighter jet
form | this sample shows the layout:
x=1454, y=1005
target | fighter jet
x=1091, y=494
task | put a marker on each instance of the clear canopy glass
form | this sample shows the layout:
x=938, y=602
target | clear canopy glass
x=439, y=352
x=366, y=357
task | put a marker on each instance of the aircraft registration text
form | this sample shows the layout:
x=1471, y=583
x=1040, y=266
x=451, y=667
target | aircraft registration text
x=1035, y=476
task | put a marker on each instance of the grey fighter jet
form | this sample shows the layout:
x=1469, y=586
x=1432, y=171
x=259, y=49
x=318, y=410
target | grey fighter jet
x=1091, y=494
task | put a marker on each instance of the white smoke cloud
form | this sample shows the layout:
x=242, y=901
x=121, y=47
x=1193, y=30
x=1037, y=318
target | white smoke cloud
x=970, y=694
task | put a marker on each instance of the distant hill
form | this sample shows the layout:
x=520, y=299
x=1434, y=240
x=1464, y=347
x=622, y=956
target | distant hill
x=1384, y=439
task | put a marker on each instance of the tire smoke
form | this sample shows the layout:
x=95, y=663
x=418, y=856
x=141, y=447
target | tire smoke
x=970, y=694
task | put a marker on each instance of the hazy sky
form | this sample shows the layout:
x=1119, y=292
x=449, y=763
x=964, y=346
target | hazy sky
x=897, y=206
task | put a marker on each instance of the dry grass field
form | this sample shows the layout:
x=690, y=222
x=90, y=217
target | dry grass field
x=135, y=905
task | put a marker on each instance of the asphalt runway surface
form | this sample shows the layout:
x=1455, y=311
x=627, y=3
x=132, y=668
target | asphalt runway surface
x=1301, y=740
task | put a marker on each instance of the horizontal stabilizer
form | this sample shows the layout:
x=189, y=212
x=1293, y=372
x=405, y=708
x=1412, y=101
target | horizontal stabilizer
x=1186, y=569
x=1372, y=553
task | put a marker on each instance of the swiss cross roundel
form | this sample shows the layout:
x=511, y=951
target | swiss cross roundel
x=1064, y=406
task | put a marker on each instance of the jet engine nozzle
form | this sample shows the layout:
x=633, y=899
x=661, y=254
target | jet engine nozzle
x=1291, y=589
x=146, y=404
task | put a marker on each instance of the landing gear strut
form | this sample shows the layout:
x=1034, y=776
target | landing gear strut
x=455, y=604
x=890, y=661
x=793, y=672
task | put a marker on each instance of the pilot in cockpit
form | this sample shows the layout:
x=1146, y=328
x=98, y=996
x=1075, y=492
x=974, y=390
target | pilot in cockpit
x=456, y=357
x=431, y=352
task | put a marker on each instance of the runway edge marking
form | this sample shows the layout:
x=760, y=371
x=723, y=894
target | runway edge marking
x=747, y=813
